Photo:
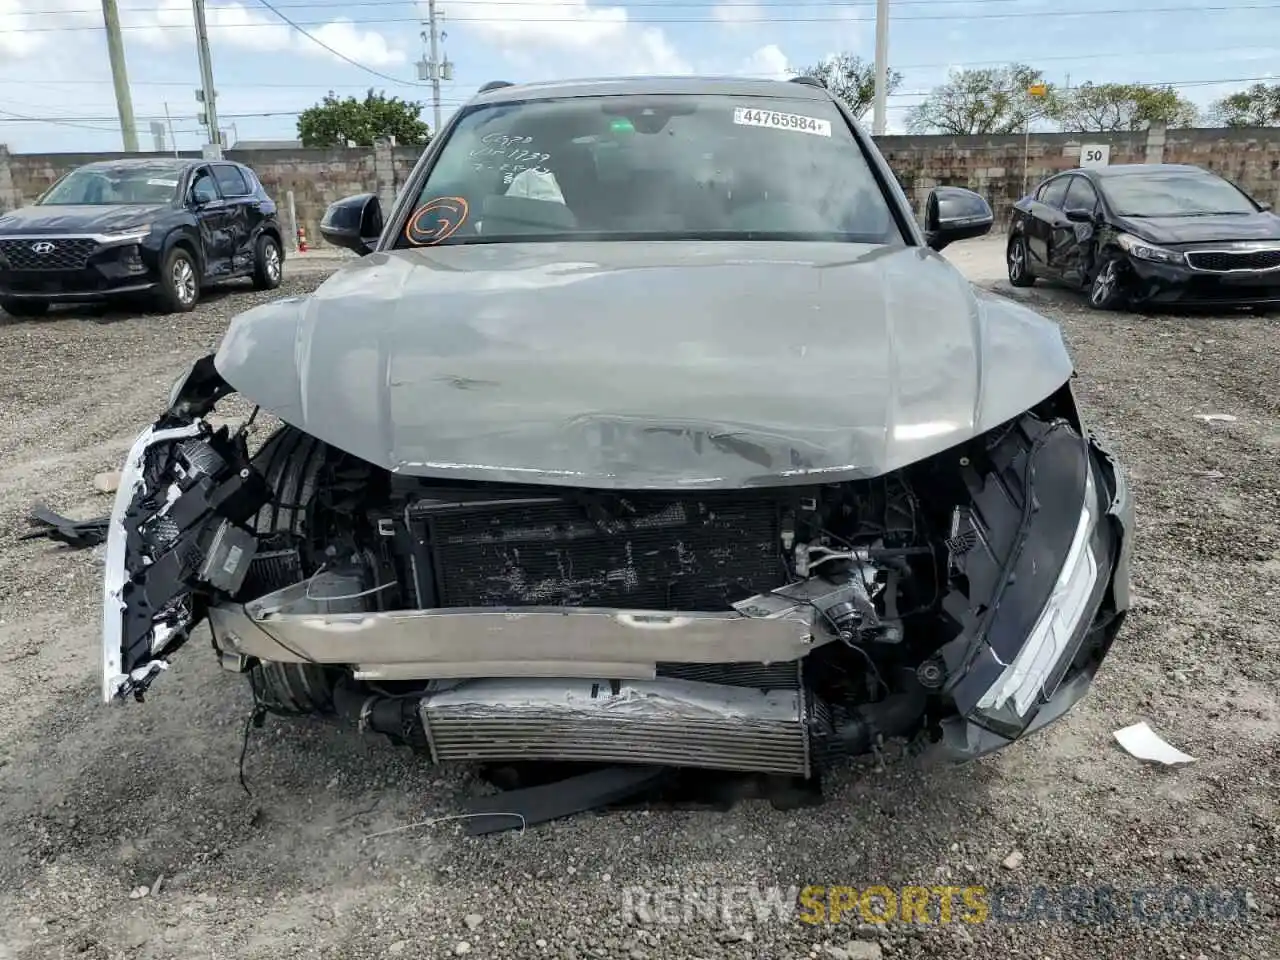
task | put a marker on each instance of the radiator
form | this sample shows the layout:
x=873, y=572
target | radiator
x=664, y=722
x=647, y=551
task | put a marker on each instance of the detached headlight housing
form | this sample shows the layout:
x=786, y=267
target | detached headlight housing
x=1141, y=250
x=1053, y=641
x=1034, y=574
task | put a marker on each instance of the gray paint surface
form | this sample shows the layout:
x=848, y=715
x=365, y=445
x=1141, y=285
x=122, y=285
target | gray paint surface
x=645, y=364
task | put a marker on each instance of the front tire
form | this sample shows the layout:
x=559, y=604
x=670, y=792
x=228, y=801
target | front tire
x=268, y=264
x=1017, y=259
x=291, y=462
x=24, y=308
x=179, y=282
x=1105, y=292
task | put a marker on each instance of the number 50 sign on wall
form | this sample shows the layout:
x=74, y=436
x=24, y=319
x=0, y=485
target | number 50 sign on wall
x=1095, y=154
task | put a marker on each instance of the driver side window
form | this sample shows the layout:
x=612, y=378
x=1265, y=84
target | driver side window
x=1054, y=192
x=203, y=188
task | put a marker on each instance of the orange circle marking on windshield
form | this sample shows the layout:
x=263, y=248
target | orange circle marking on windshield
x=448, y=213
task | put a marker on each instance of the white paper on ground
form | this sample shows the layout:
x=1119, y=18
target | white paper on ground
x=1145, y=744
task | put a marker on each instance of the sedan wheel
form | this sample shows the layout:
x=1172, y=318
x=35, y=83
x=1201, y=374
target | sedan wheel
x=1019, y=269
x=1105, y=293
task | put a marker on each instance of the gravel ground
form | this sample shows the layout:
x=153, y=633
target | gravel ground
x=98, y=803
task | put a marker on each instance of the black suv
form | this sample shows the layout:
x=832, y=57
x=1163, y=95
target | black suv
x=165, y=226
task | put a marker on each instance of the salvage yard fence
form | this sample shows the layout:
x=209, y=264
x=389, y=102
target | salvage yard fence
x=995, y=166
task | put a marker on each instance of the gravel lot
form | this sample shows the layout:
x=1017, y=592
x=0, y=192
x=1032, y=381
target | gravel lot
x=96, y=802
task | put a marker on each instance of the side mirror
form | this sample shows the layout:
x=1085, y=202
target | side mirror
x=1079, y=215
x=354, y=223
x=953, y=213
x=1264, y=206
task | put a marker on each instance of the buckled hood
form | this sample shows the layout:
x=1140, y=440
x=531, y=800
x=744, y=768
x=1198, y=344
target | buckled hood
x=645, y=365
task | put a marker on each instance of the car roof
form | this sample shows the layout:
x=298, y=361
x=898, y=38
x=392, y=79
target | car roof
x=144, y=163
x=1136, y=169
x=623, y=86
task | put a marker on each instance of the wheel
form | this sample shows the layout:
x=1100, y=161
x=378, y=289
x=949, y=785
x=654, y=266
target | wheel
x=24, y=308
x=1019, y=263
x=179, y=282
x=1105, y=293
x=267, y=264
x=290, y=461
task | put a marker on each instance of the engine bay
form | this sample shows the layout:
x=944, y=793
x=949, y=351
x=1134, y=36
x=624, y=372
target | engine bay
x=765, y=629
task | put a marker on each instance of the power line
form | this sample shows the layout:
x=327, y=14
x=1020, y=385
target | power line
x=1057, y=58
x=341, y=56
x=1114, y=11
x=673, y=4
x=17, y=118
x=8, y=117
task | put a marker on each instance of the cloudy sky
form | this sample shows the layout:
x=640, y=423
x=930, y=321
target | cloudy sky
x=54, y=67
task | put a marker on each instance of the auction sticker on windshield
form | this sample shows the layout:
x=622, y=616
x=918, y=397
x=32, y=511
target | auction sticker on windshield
x=751, y=117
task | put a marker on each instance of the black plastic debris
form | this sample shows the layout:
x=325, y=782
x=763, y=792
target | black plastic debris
x=78, y=534
x=516, y=809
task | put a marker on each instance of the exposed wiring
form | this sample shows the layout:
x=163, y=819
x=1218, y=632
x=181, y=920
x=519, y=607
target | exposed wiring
x=350, y=596
x=453, y=816
x=257, y=716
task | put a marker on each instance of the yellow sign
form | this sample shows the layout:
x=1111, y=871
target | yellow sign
x=1038, y=89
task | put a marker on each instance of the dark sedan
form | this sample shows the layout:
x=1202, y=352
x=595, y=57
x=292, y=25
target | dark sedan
x=1155, y=234
x=161, y=226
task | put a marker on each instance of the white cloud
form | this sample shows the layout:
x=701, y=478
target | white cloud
x=605, y=38
x=23, y=33
x=738, y=15
x=568, y=25
x=170, y=24
x=363, y=46
x=769, y=62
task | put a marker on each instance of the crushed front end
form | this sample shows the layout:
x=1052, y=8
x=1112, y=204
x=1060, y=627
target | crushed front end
x=967, y=598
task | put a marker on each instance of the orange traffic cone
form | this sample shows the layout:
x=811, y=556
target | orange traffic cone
x=302, y=240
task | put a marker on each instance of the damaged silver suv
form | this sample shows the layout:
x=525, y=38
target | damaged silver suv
x=648, y=428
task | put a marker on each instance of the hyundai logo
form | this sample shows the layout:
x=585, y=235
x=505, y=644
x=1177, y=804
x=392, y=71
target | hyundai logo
x=44, y=246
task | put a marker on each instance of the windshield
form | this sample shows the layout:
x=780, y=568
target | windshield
x=110, y=185
x=1173, y=194
x=651, y=168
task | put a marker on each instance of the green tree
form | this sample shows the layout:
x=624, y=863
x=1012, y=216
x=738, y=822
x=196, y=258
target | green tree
x=986, y=101
x=1113, y=107
x=853, y=80
x=1258, y=106
x=333, y=122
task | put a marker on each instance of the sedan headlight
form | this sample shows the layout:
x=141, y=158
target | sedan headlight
x=1038, y=667
x=1141, y=250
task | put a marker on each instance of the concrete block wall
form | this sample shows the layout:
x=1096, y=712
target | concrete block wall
x=995, y=166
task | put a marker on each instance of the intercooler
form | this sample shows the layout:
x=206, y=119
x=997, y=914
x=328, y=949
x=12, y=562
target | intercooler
x=676, y=723
x=641, y=551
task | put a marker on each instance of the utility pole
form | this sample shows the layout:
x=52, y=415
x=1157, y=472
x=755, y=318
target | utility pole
x=431, y=67
x=206, y=94
x=882, y=67
x=435, y=69
x=120, y=75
